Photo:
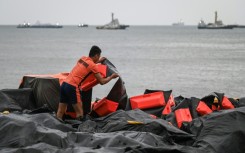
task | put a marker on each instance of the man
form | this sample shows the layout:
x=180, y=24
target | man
x=70, y=92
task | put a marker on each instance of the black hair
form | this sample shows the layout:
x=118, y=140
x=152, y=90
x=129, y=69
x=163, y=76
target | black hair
x=94, y=51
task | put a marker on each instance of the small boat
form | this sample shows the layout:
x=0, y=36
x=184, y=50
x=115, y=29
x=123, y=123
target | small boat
x=39, y=25
x=113, y=25
x=218, y=24
x=82, y=25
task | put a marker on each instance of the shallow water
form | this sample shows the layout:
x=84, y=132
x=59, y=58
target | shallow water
x=189, y=61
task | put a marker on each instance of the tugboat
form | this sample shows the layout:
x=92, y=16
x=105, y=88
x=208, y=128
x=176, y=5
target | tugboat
x=113, y=25
x=218, y=24
x=39, y=25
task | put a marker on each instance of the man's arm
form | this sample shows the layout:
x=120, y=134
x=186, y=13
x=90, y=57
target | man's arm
x=102, y=80
x=101, y=60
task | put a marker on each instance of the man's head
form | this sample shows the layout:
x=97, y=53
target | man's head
x=94, y=53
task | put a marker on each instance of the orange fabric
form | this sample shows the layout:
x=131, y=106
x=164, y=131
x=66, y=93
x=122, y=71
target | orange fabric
x=226, y=104
x=79, y=100
x=167, y=110
x=183, y=115
x=150, y=100
x=91, y=81
x=171, y=100
x=203, y=109
x=215, y=108
x=84, y=66
x=104, y=107
x=71, y=114
x=60, y=76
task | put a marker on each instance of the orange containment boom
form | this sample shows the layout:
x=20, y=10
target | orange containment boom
x=73, y=114
x=151, y=100
x=182, y=115
x=226, y=104
x=203, y=109
x=167, y=110
x=104, y=107
x=91, y=81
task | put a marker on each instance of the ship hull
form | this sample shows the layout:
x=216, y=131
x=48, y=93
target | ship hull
x=121, y=27
x=218, y=27
x=40, y=26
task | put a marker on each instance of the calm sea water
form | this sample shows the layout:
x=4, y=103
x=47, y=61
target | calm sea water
x=189, y=61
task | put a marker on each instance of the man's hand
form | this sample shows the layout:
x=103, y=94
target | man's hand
x=105, y=80
x=114, y=75
x=101, y=59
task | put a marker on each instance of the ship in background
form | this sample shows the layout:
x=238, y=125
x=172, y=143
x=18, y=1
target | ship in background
x=39, y=25
x=180, y=23
x=218, y=24
x=113, y=25
x=82, y=25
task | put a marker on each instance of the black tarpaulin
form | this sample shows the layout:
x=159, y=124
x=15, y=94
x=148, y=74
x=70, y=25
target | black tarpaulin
x=46, y=90
x=221, y=132
x=45, y=129
x=118, y=121
x=118, y=92
x=241, y=102
x=16, y=99
x=110, y=67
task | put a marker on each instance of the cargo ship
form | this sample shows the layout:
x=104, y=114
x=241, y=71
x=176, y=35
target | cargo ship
x=39, y=25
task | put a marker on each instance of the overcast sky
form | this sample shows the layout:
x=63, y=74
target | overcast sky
x=132, y=12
